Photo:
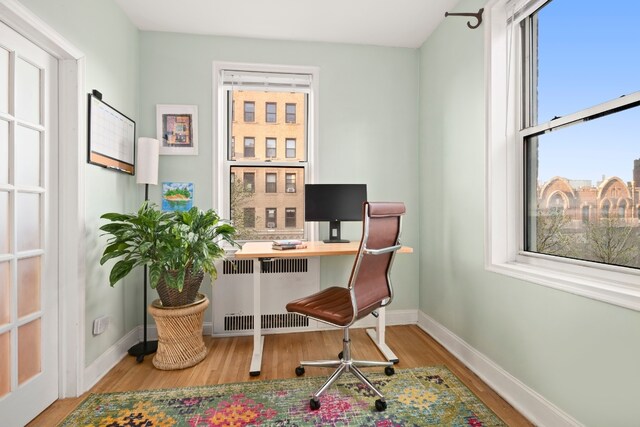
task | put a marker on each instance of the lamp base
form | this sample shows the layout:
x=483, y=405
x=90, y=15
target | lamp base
x=139, y=351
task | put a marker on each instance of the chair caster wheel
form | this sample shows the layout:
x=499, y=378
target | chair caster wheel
x=140, y=358
x=388, y=370
x=381, y=405
x=300, y=370
x=315, y=404
x=340, y=355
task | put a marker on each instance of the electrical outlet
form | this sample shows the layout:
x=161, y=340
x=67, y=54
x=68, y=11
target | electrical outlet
x=100, y=325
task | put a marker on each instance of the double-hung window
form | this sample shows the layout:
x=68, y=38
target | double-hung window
x=563, y=151
x=278, y=155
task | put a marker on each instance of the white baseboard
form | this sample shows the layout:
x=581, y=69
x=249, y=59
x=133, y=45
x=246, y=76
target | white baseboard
x=528, y=402
x=110, y=358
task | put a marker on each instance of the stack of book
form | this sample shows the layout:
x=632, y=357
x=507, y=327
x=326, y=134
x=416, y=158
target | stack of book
x=288, y=244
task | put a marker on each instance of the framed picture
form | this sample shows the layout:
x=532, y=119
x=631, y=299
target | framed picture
x=177, y=129
x=177, y=196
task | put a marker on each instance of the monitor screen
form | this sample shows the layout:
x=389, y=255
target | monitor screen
x=334, y=202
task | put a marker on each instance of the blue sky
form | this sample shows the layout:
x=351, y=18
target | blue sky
x=589, y=53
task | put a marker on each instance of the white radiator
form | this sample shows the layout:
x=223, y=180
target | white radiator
x=282, y=280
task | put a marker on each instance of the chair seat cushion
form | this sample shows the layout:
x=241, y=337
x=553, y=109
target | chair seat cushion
x=331, y=305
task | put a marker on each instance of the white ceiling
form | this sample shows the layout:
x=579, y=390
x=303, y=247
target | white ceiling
x=396, y=23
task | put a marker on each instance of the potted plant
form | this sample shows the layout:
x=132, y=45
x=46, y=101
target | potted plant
x=178, y=248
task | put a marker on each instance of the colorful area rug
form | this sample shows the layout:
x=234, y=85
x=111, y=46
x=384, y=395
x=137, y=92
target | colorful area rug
x=430, y=396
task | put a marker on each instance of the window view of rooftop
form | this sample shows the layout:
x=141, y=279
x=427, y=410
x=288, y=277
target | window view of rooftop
x=583, y=173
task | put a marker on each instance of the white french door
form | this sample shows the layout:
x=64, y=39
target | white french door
x=28, y=229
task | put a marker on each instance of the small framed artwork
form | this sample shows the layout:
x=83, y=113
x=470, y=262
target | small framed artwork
x=177, y=129
x=177, y=196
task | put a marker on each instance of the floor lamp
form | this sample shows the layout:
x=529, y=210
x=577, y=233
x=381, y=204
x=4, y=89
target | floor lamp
x=146, y=173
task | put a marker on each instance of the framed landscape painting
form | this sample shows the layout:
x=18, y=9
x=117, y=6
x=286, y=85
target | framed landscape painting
x=177, y=196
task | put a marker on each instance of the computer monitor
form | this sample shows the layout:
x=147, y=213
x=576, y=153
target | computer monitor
x=334, y=203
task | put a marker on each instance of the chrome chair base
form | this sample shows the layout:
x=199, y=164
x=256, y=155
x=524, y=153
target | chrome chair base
x=346, y=364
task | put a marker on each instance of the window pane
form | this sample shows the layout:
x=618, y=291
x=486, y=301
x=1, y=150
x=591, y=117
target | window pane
x=271, y=217
x=271, y=112
x=291, y=113
x=272, y=150
x=249, y=147
x=249, y=111
x=291, y=148
x=265, y=204
x=263, y=132
x=249, y=217
x=583, y=190
x=594, y=61
x=290, y=217
x=290, y=183
x=271, y=185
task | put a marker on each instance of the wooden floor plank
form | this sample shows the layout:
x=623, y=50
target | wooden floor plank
x=228, y=361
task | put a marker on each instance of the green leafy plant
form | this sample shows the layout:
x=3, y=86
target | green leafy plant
x=174, y=245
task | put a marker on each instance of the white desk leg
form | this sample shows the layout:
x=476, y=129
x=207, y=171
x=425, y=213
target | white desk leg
x=258, y=339
x=377, y=335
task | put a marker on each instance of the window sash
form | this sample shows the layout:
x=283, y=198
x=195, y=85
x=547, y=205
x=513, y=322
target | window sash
x=504, y=207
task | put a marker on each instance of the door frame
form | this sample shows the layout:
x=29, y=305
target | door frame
x=71, y=222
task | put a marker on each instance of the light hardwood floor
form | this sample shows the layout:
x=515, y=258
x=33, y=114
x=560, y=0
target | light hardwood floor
x=229, y=358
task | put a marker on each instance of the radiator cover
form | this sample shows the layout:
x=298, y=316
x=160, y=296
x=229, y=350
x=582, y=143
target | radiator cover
x=282, y=280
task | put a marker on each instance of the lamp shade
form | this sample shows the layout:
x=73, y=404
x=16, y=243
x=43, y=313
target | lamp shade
x=147, y=161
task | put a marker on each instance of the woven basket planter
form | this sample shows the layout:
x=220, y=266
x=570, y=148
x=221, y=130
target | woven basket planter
x=180, y=343
x=174, y=298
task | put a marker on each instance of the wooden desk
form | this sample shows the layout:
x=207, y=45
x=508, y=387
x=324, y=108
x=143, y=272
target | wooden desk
x=259, y=251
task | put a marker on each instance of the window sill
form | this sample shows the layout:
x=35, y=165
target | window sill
x=610, y=285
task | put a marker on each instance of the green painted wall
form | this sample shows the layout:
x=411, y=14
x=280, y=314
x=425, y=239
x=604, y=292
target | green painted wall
x=110, y=43
x=368, y=122
x=578, y=353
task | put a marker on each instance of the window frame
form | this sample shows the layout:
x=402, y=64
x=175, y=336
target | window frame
x=286, y=148
x=288, y=218
x=267, y=113
x=245, y=113
x=221, y=178
x=274, y=148
x=268, y=186
x=287, y=115
x=504, y=227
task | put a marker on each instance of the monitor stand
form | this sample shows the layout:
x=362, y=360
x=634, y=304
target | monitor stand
x=334, y=233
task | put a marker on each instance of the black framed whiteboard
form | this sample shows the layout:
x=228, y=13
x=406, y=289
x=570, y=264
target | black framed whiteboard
x=111, y=137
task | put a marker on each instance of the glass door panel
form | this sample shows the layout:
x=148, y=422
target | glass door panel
x=4, y=80
x=5, y=363
x=28, y=104
x=4, y=152
x=5, y=295
x=27, y=152
x=4, y=223
x=29, y=351
x=28, y=221
x=28, y=286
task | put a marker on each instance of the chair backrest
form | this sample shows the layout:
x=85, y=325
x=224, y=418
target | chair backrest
x=370, y=283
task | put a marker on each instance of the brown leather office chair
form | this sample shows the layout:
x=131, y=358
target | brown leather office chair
x=369, y=288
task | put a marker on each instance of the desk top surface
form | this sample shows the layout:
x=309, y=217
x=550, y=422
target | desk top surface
x=264, y=250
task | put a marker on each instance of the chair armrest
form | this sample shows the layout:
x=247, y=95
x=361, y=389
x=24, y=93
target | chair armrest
x=381, y=251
